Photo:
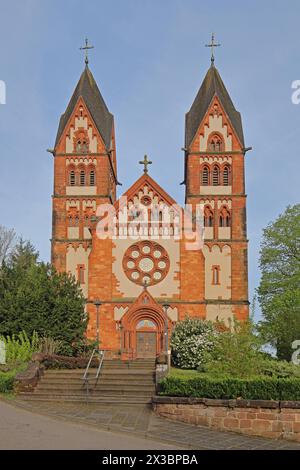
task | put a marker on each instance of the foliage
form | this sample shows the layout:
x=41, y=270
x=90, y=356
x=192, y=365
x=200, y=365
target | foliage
x=280, y=369
x=235, y=353
x=256, y=388
x=19, y=348
x=66, y=362
x=35, y=297
x=190, y=339
x=48, y=345
x=279, y=289
x=7, y=381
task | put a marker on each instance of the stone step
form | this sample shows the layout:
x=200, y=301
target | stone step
x=103, y=399
x=80, y=372
x=100, y=387
x=103, y=380
x=93, y=393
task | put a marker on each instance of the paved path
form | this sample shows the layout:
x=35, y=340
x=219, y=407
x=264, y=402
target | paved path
x=22, y=429
x=138, y=424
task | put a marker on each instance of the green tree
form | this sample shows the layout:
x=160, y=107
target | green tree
x=236, y=353
x=279, y=289
x=35, y=297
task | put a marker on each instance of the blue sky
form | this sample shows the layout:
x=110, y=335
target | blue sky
x=149, y=61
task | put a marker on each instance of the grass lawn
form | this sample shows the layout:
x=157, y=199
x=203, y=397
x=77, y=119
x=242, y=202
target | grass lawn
x=184, y=373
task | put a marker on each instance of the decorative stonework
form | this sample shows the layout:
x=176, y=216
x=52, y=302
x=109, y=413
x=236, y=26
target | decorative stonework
x=146, y=263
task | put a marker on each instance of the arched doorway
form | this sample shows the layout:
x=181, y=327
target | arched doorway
x=143, y=329
x=146, y=338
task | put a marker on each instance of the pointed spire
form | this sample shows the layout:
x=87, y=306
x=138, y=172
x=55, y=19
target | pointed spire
x=212, y=85
x=87, y=89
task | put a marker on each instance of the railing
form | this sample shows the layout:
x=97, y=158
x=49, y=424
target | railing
x=85, y=377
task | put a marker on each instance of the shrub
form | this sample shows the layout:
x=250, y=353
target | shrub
x=259, y=388
x=235, y=353
x=7, y=381
x=19, y=348
x=190, y=339
x=49, y=345
x=280, y=369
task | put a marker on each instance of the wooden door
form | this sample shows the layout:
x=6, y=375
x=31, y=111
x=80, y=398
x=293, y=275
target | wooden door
x=146, y=344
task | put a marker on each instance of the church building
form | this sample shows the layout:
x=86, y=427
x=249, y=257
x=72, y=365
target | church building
x=139, y=283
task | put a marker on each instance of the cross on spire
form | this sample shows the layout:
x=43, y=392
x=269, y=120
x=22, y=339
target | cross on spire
x=85, y=49
x=145, y=162
x=212, y=45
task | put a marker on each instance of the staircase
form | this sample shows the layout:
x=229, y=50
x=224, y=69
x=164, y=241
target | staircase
x=120, y=382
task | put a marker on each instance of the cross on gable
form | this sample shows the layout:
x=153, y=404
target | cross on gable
x=145, y=162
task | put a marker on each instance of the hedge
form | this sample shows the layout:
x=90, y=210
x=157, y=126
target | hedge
x=260, y=388
x=7, y=381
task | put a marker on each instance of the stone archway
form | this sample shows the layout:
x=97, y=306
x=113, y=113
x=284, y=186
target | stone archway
x=143, y=329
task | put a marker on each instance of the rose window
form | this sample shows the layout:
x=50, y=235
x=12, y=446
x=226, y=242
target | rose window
x=146, y=263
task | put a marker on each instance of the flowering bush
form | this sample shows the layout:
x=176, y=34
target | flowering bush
x=190, y=339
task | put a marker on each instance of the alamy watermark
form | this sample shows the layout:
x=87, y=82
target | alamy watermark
x=148, y=220
x=2, y=352
x=2, y=92
x=296, y=354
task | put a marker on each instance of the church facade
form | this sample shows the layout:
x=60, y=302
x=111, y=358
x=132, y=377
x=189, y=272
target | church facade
x=139, y=271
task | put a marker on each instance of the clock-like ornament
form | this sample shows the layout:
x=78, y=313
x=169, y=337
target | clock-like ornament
x=146, y=262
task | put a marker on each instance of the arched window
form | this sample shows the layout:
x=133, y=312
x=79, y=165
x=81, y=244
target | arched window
x=226, y=176
x=215, y=144
x=72, y=178
x=82, y=178
x=208, y=217
x=216, y=275
x=92, y=177
x=216, y=176
x=224, y=219
x=205, y=176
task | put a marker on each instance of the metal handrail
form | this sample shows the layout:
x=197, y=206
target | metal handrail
x=85, y=377
x=88, y=365
x=102, y=353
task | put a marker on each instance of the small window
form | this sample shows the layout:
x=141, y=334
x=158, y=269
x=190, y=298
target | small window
x=81, y=277
x=205, y=176
x=208, y=217
x=216, y=176
x=72, y=178
x=82, y=178
x=226, y=176
x=224, y=219
x=216, y=275
x=92, y=178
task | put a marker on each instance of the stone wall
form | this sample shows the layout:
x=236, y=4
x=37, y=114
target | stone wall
x=266, y=418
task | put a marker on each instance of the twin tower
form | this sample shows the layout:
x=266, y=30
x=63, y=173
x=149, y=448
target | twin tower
x=136, y=287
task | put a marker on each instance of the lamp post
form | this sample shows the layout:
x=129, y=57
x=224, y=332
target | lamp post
x=165, y=307
x=97, y=304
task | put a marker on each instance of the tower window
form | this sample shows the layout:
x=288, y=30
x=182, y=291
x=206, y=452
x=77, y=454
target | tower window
x=205, y=176
x=215, y=144
x=216, y=176
x=72, y=179
x=226, y=174
x=208, y=217
x=80, y=273
x=216, y=275
x=225, y=219
x=92, y=178
x=82, y=178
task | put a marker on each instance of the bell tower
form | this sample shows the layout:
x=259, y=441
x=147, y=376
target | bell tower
x=85, y=175
x=215, y=178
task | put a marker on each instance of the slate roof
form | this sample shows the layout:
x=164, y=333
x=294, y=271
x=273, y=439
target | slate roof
x=212, y=85
x=87, y=89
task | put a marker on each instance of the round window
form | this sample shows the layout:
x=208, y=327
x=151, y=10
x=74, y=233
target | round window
x=146, y=262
